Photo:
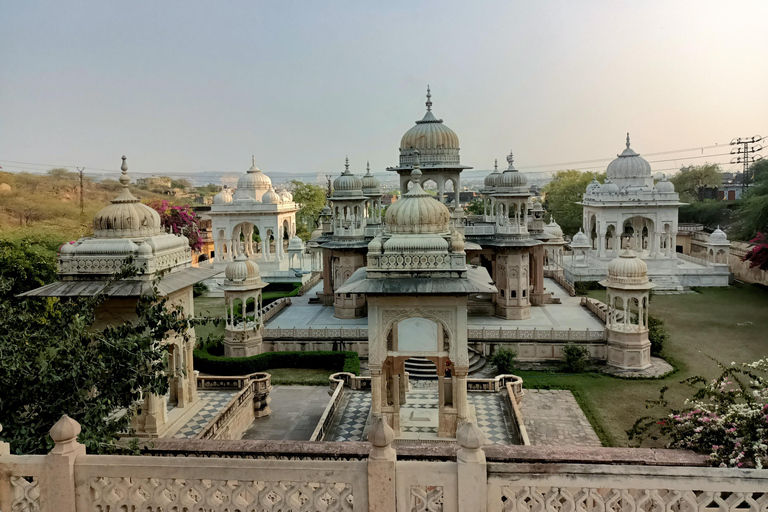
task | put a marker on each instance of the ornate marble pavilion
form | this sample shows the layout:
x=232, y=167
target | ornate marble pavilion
x=127, y=228
x=630, y=206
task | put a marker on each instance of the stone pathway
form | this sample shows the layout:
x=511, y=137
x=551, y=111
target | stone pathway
x=296, y=410
x=215, y=401
x=552, y=417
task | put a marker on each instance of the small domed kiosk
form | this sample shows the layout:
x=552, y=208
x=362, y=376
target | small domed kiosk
x=242, y=298
x=627, y=290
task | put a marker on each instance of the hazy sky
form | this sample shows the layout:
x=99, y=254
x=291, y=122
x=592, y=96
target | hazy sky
x=191, y=86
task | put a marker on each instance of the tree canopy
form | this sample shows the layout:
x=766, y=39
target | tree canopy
x=53, y=363
x=691, y=181
x=562, y=193
x=311, y=197
x=752, y=210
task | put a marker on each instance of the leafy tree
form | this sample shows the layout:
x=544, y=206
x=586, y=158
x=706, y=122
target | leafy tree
x=24, y=266
x=180, y=220
x=708, y=212
x=562, y=193
x=53, y=363
x=752, y=211
x=657, y=334
x=311, y=197
x=475, y=207
x=691, y=181
x=725, y=418
x=576, y=357
x=182, y=184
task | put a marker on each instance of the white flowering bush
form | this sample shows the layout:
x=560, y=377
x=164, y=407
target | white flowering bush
x=727, y=418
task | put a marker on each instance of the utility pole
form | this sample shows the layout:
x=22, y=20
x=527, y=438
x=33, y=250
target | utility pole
x=82, y=209
x=746, y=151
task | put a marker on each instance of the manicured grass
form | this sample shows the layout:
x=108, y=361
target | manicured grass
x=727, y=324
x=300, y=376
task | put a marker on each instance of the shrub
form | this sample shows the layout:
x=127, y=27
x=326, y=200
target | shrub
x=582, y=287
x=576, y=357
x=199, y=289
x=504, y=360
x=208, y=359
x=657, y=334
x=725, y=418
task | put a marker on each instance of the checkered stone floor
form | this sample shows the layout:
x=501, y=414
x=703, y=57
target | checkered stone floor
x=215, y=402
x=491, y=416
x=352, y=423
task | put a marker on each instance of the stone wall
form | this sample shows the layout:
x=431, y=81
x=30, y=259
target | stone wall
x=379, y=476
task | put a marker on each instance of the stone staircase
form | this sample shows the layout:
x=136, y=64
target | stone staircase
x=420, y=368
x=666, y=282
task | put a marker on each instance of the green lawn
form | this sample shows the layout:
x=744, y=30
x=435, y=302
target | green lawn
x=728, y=324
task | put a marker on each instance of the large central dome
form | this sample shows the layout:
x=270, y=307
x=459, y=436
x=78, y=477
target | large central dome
x=437, y=144
x=630, y=169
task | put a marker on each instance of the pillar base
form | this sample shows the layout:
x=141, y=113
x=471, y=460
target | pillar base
x=243, y=344
x=629, y=350
x=513, y=312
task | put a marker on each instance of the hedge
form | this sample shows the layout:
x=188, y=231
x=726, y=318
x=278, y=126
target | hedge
x=207, y=362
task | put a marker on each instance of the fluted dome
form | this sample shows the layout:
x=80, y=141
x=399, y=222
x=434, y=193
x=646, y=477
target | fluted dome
x=253, y=179
x=371, y=185
x=285, y=196
x=627, y=269
x=347, y=184
x=436, y=143
x=665, y=186
x=126, y=217
x=242, y=272
x=580, y=241
x=554, y=229
x=609, y=187
x=718, y=237
x=296, y=244
x=492, y=179
x=225, y=196
x=270, y=197
x=417, y=212
x=593, y=187
x=512, y=178
x=630, y=169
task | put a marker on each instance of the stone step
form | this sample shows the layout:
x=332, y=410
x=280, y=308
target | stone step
x=422, y=368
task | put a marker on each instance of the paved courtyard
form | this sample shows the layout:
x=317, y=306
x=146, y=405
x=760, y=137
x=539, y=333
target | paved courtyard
x=302, y=315
x=552, y=417
x=210, y=404
x=296, y=411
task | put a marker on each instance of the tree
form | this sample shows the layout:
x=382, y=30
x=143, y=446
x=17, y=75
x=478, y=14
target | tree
x=475, y=207
x=752, y=211
x=24, y=266
x=183, y=184
x=725, y=418
x=53, y=363
x=62, y=174
x=562, y=193
x=709, y=212
x=179, y=220
x=691, y=181
x=312, y=199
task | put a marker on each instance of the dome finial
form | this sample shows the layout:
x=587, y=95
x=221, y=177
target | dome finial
x=346, y=165
x=416, y=176
x=429, y=99
x=368, y=167
x=124, y=179
x=627, y=140
x=511, y=160
x=495, y=164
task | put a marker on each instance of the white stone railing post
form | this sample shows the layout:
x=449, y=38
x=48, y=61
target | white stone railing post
x=58, y=489
x=381, y=467
x=472, y=474
x=6, y=494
